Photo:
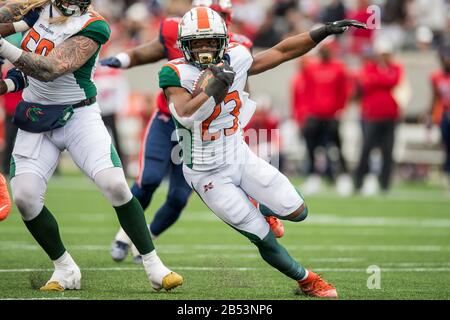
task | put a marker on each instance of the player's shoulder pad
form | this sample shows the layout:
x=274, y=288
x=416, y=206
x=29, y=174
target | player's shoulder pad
x=96, y=28
x=169, y=75
x=238, y=56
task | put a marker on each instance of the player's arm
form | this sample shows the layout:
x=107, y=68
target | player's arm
x=10, y=12
x=182, y=101
x=12, y=21
x=65, y=58
x=296, y=46
x=147, y=53
x=14, y=81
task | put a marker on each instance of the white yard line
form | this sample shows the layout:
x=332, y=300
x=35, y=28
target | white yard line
x=190, y=268
x=183, y=249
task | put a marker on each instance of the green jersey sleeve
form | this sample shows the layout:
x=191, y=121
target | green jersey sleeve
x=97, y=30
x=169, y=77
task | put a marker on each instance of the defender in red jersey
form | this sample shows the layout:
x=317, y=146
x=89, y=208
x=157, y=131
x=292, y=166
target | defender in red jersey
x=157, y=146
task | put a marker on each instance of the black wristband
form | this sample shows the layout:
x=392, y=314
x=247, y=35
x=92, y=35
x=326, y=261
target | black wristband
x=319, y=34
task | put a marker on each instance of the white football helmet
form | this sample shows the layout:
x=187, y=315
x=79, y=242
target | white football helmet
x=223, y=7
x=202, y=23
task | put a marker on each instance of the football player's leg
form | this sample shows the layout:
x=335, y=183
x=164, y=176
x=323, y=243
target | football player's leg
x=29, y=175
x=154, y=163
x=177, y=198
x=90, y=146
x=231, y=204
x=273, y=191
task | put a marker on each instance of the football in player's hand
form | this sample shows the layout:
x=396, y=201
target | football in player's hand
x=202, y=81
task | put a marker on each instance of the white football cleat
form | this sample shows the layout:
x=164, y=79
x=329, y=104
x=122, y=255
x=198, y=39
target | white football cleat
x=159, y=275
x=67, y=275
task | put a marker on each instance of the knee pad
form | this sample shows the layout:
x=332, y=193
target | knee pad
x=114, y=186
x=28, y=193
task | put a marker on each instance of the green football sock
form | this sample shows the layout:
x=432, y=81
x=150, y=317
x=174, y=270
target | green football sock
x=132, y=219
x=277, y=256
x=44, y=229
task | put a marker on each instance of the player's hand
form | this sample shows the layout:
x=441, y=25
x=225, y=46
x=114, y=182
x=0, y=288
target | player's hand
x=223, y=72
x=111, y=62
x=341, y=26
x=32, y=16
x=337, y=27
x=19, y=78
x=222, y=81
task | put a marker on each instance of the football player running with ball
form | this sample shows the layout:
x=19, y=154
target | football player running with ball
x=59, y=112
x=216, y=161
x=157, y=145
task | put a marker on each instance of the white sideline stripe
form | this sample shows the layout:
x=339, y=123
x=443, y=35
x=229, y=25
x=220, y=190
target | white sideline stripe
x=166, y=249
x=441, y=269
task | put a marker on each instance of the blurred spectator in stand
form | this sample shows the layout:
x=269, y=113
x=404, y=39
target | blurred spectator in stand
x=334, y=11
x=394, y=18
x=361, y=40
x=267, y=36
x=297, y=89
x=379, y=112
x=440, y=104
x=324, y=95
x=113, y=96
x=433, y=16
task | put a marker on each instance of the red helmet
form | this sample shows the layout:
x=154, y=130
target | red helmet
x=223, y=7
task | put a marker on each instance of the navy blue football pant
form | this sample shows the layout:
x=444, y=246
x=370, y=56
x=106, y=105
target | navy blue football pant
x=445, y=130
x=156, y=163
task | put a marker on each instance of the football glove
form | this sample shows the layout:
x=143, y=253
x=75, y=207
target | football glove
x=111, y=62
x=19, y=78
x=223, y=72
x=336, y=27
x=222, y=81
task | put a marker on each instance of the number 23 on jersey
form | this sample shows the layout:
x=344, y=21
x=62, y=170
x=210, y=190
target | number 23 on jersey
x=206, y=134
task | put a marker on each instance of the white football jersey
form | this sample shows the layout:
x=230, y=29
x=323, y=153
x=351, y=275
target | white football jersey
x=212, y=136
x=44, y=37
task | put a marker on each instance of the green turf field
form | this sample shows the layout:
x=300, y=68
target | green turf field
x=406, y=234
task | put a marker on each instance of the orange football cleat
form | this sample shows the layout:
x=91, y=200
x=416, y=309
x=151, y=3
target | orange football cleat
x=315, y=286
x=276, y=226
x=5, y=201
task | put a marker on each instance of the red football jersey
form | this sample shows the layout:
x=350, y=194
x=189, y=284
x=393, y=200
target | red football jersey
x=168, y=35
x=441, y=83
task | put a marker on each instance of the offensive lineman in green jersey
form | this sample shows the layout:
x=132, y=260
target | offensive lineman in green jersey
x=59, y=112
